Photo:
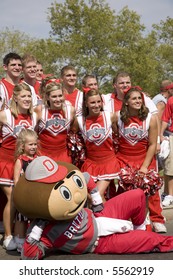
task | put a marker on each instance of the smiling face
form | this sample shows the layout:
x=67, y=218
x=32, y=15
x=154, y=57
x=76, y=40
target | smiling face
x=69, y=78
x=14, y=68
x=30, y=146
x=56, y=99
x=68, y=196
x=91, y=83
x=30, y=70
x=94, y=104
x=135, y=101
x=60, y=196
x=23, y=100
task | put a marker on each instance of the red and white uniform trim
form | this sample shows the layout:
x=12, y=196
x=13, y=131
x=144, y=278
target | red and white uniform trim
x=76, y=100
x=10, y=131
x=101, y=162
x=53, y=129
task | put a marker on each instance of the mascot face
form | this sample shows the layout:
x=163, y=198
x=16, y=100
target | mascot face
x=68, y=196
x=50, y=190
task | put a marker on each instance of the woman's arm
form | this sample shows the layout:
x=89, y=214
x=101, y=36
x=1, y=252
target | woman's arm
x=74, y=124
x=3, y=118
x=152, y=138
x=17, y=171
x=114, y=119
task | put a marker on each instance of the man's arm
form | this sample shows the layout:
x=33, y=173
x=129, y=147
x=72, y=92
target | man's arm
x=164, y=126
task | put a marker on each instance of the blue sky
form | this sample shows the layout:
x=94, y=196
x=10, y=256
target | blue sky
x=30, y=16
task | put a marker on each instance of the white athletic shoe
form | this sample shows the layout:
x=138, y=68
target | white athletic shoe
x=167, y=201
x=159, y=227
x=9, y=243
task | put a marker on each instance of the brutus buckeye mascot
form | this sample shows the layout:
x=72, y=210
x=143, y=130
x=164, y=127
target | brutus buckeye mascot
x=54, y=196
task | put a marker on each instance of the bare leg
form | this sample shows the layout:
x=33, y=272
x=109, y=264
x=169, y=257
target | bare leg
x=9, y=211
x=102, y=186
x=170, y=185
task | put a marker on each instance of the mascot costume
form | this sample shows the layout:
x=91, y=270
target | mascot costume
x=54, y=195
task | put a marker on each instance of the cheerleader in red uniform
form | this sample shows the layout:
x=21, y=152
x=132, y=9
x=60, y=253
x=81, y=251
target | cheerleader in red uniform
x=55, y=122
x=12, y=120
x=137, y=145
x=96, y=127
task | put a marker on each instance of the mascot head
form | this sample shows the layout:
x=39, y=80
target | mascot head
x=50, y=190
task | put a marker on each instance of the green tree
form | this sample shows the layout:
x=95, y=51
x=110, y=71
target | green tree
x=164, y=35
x=84, y=34
x=21, y=43
x=135, y=52
x=12, y=41
x=46, y=51
x=96, y=40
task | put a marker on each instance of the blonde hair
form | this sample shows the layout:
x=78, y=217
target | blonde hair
x=48, y=89
x=23, y=136
x=44, y=84
x=16, y=91
x=28, y=58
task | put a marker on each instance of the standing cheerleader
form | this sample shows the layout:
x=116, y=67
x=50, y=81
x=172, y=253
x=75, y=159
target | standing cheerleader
x=26, y=151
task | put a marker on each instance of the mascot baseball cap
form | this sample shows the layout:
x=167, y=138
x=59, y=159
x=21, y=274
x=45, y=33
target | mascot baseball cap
x=46, y=170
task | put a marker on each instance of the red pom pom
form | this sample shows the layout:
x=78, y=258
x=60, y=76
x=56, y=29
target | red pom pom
x=133, y=179
x=76, y=148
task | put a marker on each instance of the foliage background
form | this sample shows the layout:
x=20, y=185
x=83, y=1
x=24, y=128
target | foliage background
x=96, y=40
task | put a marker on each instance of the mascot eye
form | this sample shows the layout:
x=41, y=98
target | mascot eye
x=66, y=194
x=78, y=181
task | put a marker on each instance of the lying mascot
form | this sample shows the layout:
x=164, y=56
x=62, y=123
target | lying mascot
x=54, y=196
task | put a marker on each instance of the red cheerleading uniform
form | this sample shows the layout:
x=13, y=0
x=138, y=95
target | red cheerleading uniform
x=101, y=162
x=6, y=91
x=37, y=92
x=37, y=88
x=133, y=145
x=10, y=130
x=53, y=129
x=111, y=103
x=76, y=100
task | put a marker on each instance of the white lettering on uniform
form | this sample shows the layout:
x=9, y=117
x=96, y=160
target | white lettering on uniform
x=75, y=225
x=68, y=234
x=72, y=229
